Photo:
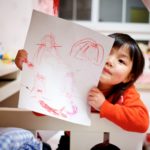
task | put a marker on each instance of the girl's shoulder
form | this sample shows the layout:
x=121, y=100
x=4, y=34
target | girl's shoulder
x=131, y=92
x=131, y=89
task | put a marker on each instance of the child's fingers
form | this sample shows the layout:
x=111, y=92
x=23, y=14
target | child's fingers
x=21, y=57
x=94, y=90
x=22, y=53
x=18, y=62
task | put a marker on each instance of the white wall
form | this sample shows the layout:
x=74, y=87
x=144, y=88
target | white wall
x=14, y=22
x=145, y=96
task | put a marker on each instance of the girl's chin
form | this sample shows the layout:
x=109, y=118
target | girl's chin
x=106, y=80
x=105, y=77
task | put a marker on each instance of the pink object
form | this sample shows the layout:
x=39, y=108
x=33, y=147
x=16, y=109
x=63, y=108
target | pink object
x=49, y=7
x=147, y=4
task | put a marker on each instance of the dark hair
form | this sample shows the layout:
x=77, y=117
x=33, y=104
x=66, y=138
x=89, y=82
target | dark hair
x=137, y=59
x=105, y=146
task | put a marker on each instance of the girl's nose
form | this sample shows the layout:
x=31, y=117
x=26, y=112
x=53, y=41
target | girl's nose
x=110, y=61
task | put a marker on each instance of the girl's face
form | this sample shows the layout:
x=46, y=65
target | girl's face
x=117, y=68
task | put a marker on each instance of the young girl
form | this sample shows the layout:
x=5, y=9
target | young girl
x=115, y=97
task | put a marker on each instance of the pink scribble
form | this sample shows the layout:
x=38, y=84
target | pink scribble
x=47, y=48
x=38, y=88
x=74, y=110
x=47, y=44
x=30, y=65
x=87, y=49
x=48, y=41
x=59, y=112
x=48, y=108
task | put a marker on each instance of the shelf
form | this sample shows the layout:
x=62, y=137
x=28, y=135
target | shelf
x=15, y=117
x=8, y=88
x=6, y=69
x=51, y=123
x=10, y=109
x=9, y=81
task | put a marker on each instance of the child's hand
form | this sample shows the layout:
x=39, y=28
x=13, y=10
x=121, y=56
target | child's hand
x=95, y=98
x=21, y=58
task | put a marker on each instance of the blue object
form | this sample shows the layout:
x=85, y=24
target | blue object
x=18, y=139
x=1, y=56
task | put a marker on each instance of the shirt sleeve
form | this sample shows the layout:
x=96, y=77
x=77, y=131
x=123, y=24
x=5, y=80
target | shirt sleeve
x=131, y=115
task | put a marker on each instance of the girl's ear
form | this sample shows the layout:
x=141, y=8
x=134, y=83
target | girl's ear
x=129, y=78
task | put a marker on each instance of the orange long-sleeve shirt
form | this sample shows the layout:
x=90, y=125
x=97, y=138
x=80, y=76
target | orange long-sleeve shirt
x=129, y=113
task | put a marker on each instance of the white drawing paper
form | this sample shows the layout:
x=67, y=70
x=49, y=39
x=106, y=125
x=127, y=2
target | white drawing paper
x=65, y=61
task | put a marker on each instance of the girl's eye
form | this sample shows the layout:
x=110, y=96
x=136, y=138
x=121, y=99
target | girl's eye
x=121, y=61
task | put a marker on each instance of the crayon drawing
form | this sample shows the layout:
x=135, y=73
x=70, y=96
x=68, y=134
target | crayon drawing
x=88, y=49
x=62, y=66
x=46, y=50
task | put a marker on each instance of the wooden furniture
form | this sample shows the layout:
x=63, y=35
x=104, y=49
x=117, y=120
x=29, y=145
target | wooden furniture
x=82, y=137
x=9, y=81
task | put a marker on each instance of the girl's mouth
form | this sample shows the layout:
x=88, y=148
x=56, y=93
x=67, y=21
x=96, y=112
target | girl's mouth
x=105, y=70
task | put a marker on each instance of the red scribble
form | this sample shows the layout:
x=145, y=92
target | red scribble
x=88, y=49
x=59, y=112
x=48, y=108
x=30, y=65
x=48, y=47
x=47, y=44
x=74, y=110
x=38, y=88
